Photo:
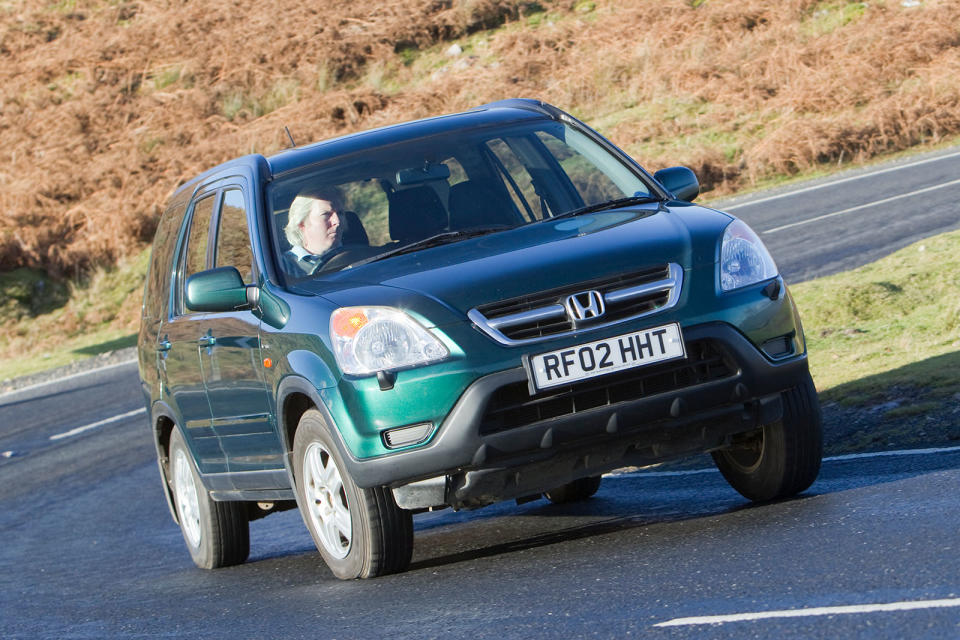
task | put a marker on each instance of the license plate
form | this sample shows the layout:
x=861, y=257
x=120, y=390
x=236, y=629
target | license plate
x=585, y=361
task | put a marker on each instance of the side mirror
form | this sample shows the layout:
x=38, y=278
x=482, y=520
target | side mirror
x=220, y=289
x=680, y=181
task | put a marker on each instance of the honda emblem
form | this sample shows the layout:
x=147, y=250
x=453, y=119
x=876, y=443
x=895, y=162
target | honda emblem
x=586, y=305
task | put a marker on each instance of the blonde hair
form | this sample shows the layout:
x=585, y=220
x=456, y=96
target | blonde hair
x=301, y=206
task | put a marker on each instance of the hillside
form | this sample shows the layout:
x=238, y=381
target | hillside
x=107, y=105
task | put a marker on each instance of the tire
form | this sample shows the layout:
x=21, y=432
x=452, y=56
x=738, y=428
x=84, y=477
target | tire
x=575, y=491
x=217, y=533
x=783, y=458
x=360, y=533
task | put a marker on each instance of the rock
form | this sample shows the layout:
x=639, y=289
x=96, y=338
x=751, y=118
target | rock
x=887, y=406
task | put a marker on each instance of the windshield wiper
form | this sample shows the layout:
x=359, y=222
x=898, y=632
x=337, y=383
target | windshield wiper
x=609, y=204
x=447, y=237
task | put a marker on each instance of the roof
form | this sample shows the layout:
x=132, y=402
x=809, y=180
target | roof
x=504, y=111
x=495, y=113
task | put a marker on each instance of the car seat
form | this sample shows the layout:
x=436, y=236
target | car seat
x=472, y=204
x=415, y=214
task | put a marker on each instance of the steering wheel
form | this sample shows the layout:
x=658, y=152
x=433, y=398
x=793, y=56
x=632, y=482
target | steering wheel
x=324, y=260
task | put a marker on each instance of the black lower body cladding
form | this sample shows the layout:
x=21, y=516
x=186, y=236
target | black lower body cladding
x=736, y=389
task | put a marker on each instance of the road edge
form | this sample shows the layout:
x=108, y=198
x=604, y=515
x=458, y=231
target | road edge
x=103, y=360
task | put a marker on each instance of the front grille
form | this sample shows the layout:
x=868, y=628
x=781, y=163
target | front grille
x=512, y=406
x=543, y=314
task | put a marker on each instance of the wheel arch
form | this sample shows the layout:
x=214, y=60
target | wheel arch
x=296, y=396
x=296, y=393
x=163, y=422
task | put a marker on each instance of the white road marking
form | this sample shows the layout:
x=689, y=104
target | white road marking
x=659, y=474
x=814, y=611
x=841, y=181
x=862, y=206
x=848, y=456
x=900, y=452
x=88, y=427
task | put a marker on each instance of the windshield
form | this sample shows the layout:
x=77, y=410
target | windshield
x=442, y=188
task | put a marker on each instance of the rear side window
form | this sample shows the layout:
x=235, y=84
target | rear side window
x=233, y=238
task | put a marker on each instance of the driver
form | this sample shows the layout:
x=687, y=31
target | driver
x=313, y=228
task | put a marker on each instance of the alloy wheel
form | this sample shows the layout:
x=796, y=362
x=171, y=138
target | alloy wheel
x=326, y=498
x=188, y=503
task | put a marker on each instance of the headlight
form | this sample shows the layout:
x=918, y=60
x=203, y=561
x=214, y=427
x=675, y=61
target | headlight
x=370, y=339
x=743, y=258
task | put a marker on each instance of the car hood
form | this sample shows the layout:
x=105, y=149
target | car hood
x=531, y=258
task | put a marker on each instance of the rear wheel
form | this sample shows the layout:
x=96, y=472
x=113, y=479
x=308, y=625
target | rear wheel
x=217, y=533
x=575, y=491
x=780, y=459
x=361, y=533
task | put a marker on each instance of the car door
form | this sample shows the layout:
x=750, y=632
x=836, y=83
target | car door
x=231, y=361
x=178, y=344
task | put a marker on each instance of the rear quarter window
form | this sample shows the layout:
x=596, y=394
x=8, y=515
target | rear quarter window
x=155, y=294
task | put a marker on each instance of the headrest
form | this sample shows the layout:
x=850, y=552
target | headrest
x=353, y=231
x=473, y=205
x=415, y=214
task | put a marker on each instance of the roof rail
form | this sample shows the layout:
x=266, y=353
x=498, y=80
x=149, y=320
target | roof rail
x=527, y=104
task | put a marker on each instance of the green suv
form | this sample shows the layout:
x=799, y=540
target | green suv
x=497, y=304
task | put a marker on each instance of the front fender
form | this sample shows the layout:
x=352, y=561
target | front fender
x=290, y=408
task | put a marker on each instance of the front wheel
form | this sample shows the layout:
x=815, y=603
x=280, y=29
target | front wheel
x=217, y=533
x=361, y=533
x=780, y=459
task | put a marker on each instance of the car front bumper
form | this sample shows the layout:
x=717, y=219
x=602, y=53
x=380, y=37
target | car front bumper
x=485, y=457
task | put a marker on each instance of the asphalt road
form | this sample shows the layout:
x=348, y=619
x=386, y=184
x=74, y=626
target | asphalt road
x=853, y=218
x=88, y=550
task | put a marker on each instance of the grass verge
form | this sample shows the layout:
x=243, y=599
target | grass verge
x=902, y=310
x=884, y=344
x=48, y=325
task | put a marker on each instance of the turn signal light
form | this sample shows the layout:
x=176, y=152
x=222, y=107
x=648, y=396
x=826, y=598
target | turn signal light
x=347, y=322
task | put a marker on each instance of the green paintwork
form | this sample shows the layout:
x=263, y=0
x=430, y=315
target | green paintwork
x=272, y=309
x=219, y=289
x=215, y=380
